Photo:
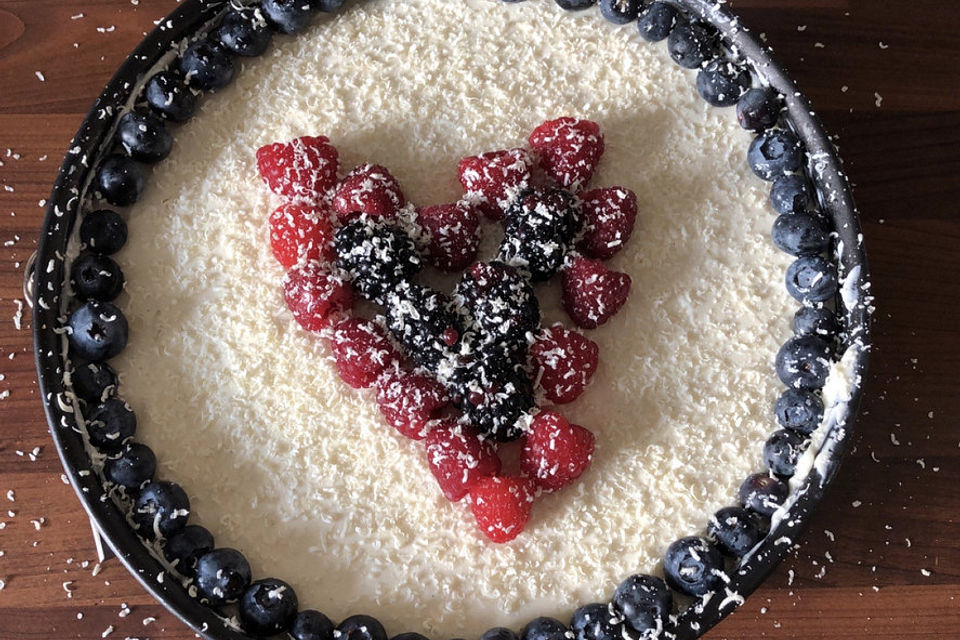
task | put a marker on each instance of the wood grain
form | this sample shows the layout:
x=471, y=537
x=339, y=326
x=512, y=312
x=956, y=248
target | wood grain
x=882, y=557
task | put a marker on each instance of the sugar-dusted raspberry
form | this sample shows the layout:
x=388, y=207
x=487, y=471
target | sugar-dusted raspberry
x=409, y=401
x=459, y=459
x=370, y=189
x=454, y=231
x=566, y=360
x=493, y=179
x=315, y=296
x=304, y=168
x=569, y=150
x=301, y=231
x=555, y=452
x=609, y=215
x=592, y=293
x=501, y=506
x=362, y=352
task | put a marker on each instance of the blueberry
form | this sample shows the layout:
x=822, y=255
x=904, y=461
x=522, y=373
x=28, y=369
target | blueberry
x=620, y=11
x=691, y=44
x=693, y=566
x=328, y=6
x=792, y=194
x=545, y=628
x=206, y=65
x=361, y=627
x=800, y=234
x=222, y=575
x=597, y=622
x=268, y=607
x=645, y=604
x=103, y=231
x=759, y=109
x=96, y=277
x=97, y=331
x=799, y=410
x=803, y=362
x=410, y=635
x=815, y=321
x=762, y=494
x=782, y=450
x=812, y=279
x=135, y=465
x=775, y=153
x=734, y=530
x=499, y=633
x=244, y=32
x=656, y=21
x=144, y=136
x=120, y=180
x=722, y=82
x=111, y=424
x=311, y=625
x=168, y=95
x=184, y=548
x=161, y=509
x=93, y=382
x=287, y=16
x=576, y=5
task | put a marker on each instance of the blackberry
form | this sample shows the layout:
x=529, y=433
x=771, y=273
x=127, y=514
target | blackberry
x=502, y=305
x=539, y=230
x=425, y=323
x=493, y=394
x=377, y=254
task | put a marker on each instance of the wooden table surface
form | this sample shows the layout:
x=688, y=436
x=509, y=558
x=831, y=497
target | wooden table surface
x=882, y=557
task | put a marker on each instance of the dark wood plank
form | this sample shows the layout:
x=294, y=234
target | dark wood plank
x=884, y=569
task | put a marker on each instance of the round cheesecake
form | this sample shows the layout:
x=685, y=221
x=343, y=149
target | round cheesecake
x=300, y=472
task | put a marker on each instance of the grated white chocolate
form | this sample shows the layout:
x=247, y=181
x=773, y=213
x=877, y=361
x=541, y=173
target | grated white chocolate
x=289, y=465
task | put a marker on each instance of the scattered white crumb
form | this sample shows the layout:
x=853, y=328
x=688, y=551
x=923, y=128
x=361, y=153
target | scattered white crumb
x=884, y=45
x=879, y=98
x=40, y=76
x=925, y=572
x=855, y=504
x=893, y=439
x=77, y=16
x=18, y=315
x=107, y=631
x=801, y=27
x=10, y=496
x=109, y=29
x=149, y=620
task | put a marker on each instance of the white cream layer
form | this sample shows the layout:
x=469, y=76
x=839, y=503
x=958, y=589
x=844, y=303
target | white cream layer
x=284, y=462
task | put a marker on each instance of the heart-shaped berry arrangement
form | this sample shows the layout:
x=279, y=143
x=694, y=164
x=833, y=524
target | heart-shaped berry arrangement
x=469, y=371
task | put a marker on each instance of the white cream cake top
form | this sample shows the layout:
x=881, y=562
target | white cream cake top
x=286, y=463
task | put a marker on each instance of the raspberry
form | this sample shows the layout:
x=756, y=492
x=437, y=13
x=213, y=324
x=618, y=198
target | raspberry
x=454, y=235
x=569, y=150
x=459, y=459
x=567, y=361
x=304, y=168
x=300, y=231
x=592, y=293
x=314, y=295
x=362, y=352
x=555, y=452
x=609, y=215
x=492, y=179
x=501, y=506
x=369, y=188
x=409, y=401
